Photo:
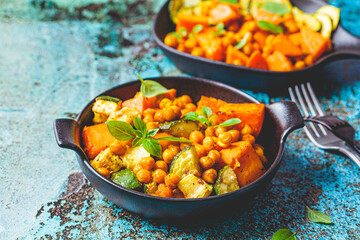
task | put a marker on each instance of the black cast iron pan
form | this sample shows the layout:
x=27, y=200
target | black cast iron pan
x=345, y=46
x=280, y=120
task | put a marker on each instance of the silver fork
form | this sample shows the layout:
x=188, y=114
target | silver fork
x=320, y=136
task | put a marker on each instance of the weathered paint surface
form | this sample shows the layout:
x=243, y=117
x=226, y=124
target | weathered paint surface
x=57, y=55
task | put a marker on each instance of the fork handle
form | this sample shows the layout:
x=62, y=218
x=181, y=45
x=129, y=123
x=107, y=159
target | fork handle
x=352, y=153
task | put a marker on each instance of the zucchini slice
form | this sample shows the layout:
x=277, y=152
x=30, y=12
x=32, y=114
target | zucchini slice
x=308, y=19
x=194, y=187
x=108, y=98
x=134, y=155
x=326, y=25
x=186, y=161
x=183, y=6
x=181, y=128
x=226, y=182
x=332, y=12
x=126, y=178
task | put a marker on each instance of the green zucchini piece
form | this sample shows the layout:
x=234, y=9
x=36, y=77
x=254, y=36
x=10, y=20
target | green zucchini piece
x=183, y=6
x=180, y=128
x=332, y=12
x=226, y=182
x=108, y=98
x=244, y=6
x=133, y=156
x=326, y=25
x=186, y=161
x=126, y=178
x=308, y=19
x=194, y=187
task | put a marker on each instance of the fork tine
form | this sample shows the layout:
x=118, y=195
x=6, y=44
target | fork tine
x=315, y=99
x=308, y=101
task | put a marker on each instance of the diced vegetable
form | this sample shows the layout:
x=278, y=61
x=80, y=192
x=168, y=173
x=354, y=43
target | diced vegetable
x=194, y=187
x=180, y=128
x=102, y=109
x=263, y=15
x=233, y=54
x=279, y=62
x=260, y=38
x=212, y=45
x=126, y=115
x=226, y=182
x=223, y=13
x=126, y=178
x=326, y=25
x=133, y=156
x=189, y=21
x=107, y=160
x=96, y=138
x=213, y=103
x=140, y=102
x=256, y=60
x=332, y=12
x=308, y=19
x=282, y=44
x=187, y=161
x=314, y=41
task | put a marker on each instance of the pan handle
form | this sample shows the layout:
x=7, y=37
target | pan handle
x=346, y=45
x=67, y=135
x=288, y=117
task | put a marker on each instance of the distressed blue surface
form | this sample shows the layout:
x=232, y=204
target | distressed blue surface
x=57, y=55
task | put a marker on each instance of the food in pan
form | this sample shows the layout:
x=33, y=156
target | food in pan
x=269, y=35
x=166, y=145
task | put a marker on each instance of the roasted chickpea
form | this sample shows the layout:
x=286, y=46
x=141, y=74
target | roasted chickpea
x=248, y=48
x=248, y=17
x=184, y=145
x=238, y=62
x=256, y=46
x=152, y=125
x=249, y=138
x=291, y=26
x=269, y=39
x=226, y=41
x=177, y=111
x=215, y=156
x=163, y=191
x=220, y=130
x=149, y=112
x=210, y=175
x=215, y=120
x=169, y=114
x=118, y=147
x=181, y=47
x=299, y=65
x=171, y=180
x=171, y=40
x=147, y=163
x=209, y=143
x=252, y=26
x=169, y=153
x=197, y=51
x=185, y=99
x=190, y=43
x=210, y=131
x=309, y=60
x=225, y=137
x=159, y=176
x=161, y=165
x=143, y=176
x=247, y=130
x=159, y=117
x=200, y=150
x=104, y=171
x=165, y=102
x=267, y=49
x=177, y=193
x=223, y=145
x=196, y=137
x=148, y=119
x=288, y=16
x=206, y=162
x=137, y=168
x=190, y=106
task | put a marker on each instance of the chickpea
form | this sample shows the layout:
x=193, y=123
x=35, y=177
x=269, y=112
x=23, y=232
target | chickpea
x=143, y=176
x=171, y=40
x=209, y=143
x=256, y=46
x=161, y=165
x=247, y=130
x=210, y=131
x=220, y=130
x=165, y=102
x=118, y=147
x=190, y=43
x=210, y=175
x=178, y=102
x=185, y=99
x=159, y=176
x=181, y=47
x=152, y=125
x=288, y=16
x=269, y=39
x=226, y=41
x=104, y=171
x=169, y=114
x=267, y=49
x=190, y=106
x=169, y=153
x=197, y=51
x=265, y=54
x=215, y=120
x=148, y=119
x=225, y=137
x=147, y=163
x=249, y=138
x=184, y=145
x=196, y=137
x=151, y=188
x=299, y=65
x=238, y=62
x=163, y=191
x=206, y=162
x=252, y=26
x=215, y=156
x=309, y=60
x=195, y=173
x=223, y=145
x=158, y=117
x=200, y=150
x=171, y=180
x=235, y=135
x=177, y=111
x=291, y=26
x=184, y=112
x=137, y=168
x=248, y=48
x=248, y=17
x=177, y=193
x=149, y=112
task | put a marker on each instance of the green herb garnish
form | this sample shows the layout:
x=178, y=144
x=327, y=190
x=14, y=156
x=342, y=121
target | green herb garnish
x=270, y=27
x=242, y=42
x=318, y=217
x=108, y=98
x=229, y=1
x=178, y=37
x=220, y=29
x=183, y=31
x=124, y=131
x=229, y=122
x=276, y=8
x=284, y=234
x=197, y=28
x=151, y=88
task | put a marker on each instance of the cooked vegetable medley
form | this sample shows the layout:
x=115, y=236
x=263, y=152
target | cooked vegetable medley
x=168, y=146
x=265, y=34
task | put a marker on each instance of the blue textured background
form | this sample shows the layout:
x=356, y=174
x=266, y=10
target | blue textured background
x=57, y=55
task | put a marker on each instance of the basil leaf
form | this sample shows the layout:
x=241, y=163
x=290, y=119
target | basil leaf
x=178, y=37
x=229, y=1
x=137, y=142
x=108, y=98
x=151, y=88
x=120, y=130
x=152, y=132
x=152, y=146
x=139, y=133
x=174, y=139
x=183, y=31
x=242, y=42
x=197, y=28
x=206, y=111
x=318, y=217
x=284, y=234
x=219, y=29
x=191, y=35
x=202, y=119
x=229, y=122
x=220, y=26
x=270, y=27
x=191, y=116
x=276, y=8
x=140, y=125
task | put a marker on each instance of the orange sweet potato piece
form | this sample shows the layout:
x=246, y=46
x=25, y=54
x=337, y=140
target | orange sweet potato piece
x=233, y=54
x=282, y=44
x=297, y=39
x=96, y=138
x=189, y=21
x=242, y=157
x=251, y=114
x=140, y=103
x=224, y=13
x=263, y=15
x=279, y=62
x=314, y=41
x=260, y=38
x=211, y=45
x=257, y=60
x=213, y=103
